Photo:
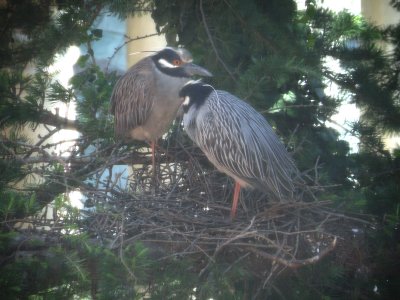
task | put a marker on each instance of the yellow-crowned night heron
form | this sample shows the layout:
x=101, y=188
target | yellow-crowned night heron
x=145, y=99
x=238, y=141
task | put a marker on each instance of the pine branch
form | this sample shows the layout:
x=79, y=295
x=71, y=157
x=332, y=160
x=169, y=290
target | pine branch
x=296, y=263
x=267, y=42
x=129, y=40
x=210, y=38
x=47, y=117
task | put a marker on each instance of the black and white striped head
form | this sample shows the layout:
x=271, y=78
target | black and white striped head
x=194, y=93
x=177, y=62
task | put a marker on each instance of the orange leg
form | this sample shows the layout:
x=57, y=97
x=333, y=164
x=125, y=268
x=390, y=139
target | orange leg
x=153, y=155
x=236, y=194
x=153, y=163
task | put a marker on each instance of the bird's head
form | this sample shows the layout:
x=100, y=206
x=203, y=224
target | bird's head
x=194, y=93
x=177, y=62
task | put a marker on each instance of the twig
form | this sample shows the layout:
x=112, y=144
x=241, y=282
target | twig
x=243, y=234
x=252, y=30
x=41, y=141
x=121, y=249
x=296, y=263
x=129, y=40
x=203, y=17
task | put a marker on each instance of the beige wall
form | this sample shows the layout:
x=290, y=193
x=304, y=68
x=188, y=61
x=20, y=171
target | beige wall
x=141, y=26
x=381, y=13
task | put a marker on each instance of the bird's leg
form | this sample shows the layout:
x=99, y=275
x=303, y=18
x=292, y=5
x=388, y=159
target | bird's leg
x=153, y=156
x=153, y=164
x=236, y=194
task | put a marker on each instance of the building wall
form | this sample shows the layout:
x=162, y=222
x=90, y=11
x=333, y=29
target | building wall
x=137, y=27
x=379, y=12
x=382, y=14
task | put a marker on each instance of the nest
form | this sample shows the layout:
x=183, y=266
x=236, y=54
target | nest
x=182, y=211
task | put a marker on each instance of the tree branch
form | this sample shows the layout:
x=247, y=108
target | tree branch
x=129, y=40
x=295, y=263
x=51, y=119
x=203, y=17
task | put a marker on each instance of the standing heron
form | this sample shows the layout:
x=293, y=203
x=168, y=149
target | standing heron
x=145, y=99
x=238, y=141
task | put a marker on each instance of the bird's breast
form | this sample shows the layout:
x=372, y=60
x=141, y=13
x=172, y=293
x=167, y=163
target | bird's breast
x=163, y=112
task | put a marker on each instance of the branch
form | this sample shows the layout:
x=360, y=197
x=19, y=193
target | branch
x=203, y=17
x=245, y=233
x=295, y=263
x=252, y=30
x=41, y=141
x=129, y=40
x=51, y=119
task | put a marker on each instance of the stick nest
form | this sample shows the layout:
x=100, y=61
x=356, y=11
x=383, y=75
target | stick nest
x=184, y=213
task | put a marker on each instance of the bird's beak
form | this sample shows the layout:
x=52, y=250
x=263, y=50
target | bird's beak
x=193, y=69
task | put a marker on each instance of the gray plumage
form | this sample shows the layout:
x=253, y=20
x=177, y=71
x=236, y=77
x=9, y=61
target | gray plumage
x=145, y=99
x=238, y=140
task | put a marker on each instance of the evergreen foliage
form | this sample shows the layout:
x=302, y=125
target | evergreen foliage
x=266, y=52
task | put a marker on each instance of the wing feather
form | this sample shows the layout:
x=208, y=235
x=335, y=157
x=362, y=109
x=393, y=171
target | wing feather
x=132, y=98
x=239, y=141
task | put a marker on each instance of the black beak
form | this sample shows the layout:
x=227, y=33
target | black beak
x=193, y=69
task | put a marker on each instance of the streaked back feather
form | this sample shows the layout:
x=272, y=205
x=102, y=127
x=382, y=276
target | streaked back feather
x=239, y=141
x=132, y=98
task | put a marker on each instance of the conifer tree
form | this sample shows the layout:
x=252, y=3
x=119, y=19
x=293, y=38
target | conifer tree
x=273, y=56
x=266, y=52
x=46, y=257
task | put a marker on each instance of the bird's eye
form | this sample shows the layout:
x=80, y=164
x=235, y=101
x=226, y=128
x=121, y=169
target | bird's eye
x=177, y=62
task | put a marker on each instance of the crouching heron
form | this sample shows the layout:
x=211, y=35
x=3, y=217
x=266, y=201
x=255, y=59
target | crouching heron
x=145, y=99
x=238, y=141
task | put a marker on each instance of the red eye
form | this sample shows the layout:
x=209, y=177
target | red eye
x=177, y=62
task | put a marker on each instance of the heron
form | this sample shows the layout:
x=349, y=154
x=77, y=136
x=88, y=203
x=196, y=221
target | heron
x=145, y=99
x=238, y=141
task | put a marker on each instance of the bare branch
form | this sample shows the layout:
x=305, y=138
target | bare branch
x=296, y=263
x=129, y=40
x=210, y=38
x=49, y=118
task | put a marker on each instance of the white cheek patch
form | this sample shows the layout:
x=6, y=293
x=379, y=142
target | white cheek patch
x=186, y=101
x=193, y=82
x=165, y=63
